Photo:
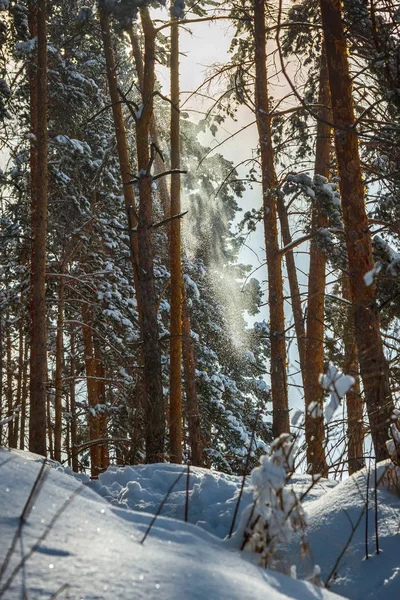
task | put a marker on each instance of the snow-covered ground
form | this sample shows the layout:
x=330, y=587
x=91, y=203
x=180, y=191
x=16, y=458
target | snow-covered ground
x=93, y=548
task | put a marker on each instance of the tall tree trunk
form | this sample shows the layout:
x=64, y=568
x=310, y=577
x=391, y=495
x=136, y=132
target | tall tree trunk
x=24, y=396
x=141, y=244
x=122, y=145
x=188, y=352
x=354, y=403
x=1, y=376
x=293, y=285
x=38, y=356
x=59, y=369
x=10, y=394
x=101, y=399
x=192, y=401
x=20, y=375
x=372, y=362
x=313, y=392
x=175, y=386
x=155, y=409
x=49, y=427
x=280, y=408
x=72, y=396
x=91, y=385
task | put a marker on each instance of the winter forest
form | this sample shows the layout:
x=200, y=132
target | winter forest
x=199, y=295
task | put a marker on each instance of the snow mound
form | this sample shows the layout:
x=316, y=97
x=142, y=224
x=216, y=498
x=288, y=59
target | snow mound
x=92, y=550
x=212, y=495
x=337, y=523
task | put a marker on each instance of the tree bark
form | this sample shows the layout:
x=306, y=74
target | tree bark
x=38, y=356
x=372, y=362
x=155, y=409
x=24, y=396
x=313, y=392
x=101, y=399
x=194, y=430
x=10, y=394
x=59, y=370
x=354, y=402
x=72, y=396
x=175, y=389
x=293, y=285
x=280, y=408
x=159, y=166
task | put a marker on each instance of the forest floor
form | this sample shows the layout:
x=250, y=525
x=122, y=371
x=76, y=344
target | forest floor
x=82, y=540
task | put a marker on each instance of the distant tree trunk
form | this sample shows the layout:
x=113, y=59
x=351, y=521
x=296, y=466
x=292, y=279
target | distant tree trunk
x=313, y=392
x=24, y=396
x=68, y=432
x=91, y=384
x=280, y=408
x=49, y=425
x=155, y=409
x=175, y=389
x=1, y=376
x=293, y=285
x=38, y=355
x=59, y=369
x=101, y=399
x=10, y=394
x=72, y=396
x=372, y=362
x=20, y=375
x=354, y=402
x=192, y=401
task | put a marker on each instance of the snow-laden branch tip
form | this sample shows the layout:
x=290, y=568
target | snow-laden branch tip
x=338, y=385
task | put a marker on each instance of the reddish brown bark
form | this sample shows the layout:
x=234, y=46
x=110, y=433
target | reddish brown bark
x=313, y=392
x=159, y=166
x=24, y=396
x=101, y=399
x=59, y=370
x=155, y=409
x=38, y=356
x=188, y=350
x=293, y=285
x=10, y=391
x=354, y=402
x=358, y=238
x=141, y=238
x=72, y=396
x=175, y=389
x=280, y=408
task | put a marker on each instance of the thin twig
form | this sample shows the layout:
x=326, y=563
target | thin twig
x=171, y=487
x=40, y=540
x=22, y=519
x=187, y=493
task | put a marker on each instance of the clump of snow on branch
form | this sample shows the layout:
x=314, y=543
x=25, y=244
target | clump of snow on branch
x=369, y=277
x=338, y=385
x=276, y=512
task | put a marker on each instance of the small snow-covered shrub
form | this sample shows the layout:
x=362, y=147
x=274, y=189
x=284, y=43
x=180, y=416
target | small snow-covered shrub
x=276, y=512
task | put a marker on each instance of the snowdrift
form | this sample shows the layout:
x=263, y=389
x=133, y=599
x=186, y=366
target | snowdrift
x=87, y=549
